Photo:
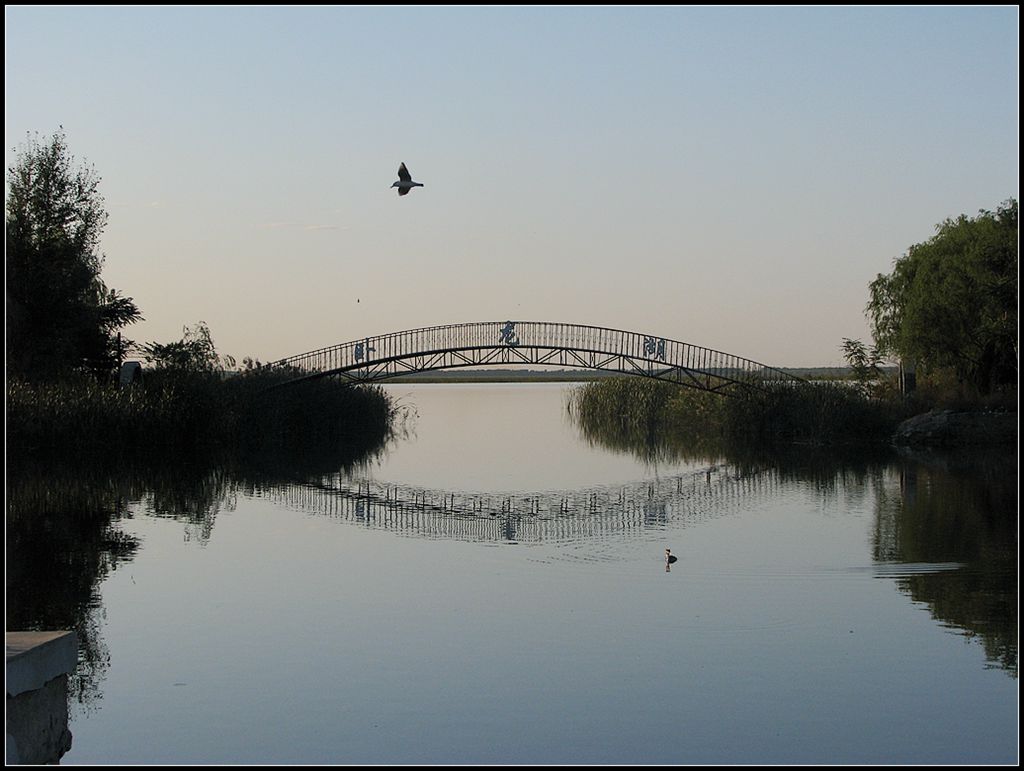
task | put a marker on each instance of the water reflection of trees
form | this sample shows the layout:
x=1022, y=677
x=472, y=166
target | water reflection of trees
x=62, y=539
x=958, y=508
x=64, y=524
x=950, y=508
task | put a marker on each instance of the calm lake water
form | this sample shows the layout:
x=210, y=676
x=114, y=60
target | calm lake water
x=493, y=588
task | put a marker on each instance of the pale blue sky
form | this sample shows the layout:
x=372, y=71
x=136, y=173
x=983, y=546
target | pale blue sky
x=729, y=177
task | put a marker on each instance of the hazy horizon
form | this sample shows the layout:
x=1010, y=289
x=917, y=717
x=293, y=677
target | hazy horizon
x=728, y=177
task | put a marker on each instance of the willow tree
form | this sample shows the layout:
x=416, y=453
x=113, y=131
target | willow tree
x=195, y=352
x=61, y=317
x=951, y=302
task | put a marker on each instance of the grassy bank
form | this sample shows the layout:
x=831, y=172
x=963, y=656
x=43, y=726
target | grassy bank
x=637, y=410
x=176, y=413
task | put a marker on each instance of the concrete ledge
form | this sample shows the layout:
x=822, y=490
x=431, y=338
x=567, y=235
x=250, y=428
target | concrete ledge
x=38, y=665
x=35, y=658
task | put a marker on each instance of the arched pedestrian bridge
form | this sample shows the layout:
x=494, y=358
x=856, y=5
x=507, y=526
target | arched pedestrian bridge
x=555, y=344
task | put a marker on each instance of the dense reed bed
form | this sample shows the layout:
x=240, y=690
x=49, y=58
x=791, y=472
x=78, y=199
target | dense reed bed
x=192, y=413
x=640, y=412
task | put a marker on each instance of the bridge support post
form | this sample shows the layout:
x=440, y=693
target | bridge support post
x=908, y=378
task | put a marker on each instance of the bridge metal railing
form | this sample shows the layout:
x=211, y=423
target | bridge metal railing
x=532, y=342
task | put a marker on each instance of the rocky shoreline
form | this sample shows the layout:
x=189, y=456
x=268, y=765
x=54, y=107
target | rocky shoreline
x=949, y=429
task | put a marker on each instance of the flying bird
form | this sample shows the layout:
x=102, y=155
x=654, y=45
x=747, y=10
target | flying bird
x=405, y=183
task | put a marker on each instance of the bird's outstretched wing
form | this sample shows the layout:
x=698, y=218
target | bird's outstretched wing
x=404, y=190
x=403, y=173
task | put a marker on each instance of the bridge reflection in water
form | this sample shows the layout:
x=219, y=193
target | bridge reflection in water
x=526, y=517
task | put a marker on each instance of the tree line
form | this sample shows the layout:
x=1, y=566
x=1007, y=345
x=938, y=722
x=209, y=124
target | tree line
x=66, y=342
x=62, y=319
x=949, y=306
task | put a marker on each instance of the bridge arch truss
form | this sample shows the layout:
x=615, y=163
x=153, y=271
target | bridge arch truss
x=556, y=344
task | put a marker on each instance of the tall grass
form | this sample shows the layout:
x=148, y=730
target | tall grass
x=315, y=425
x=641, y=411
x=180, y=412
x=821, y=413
